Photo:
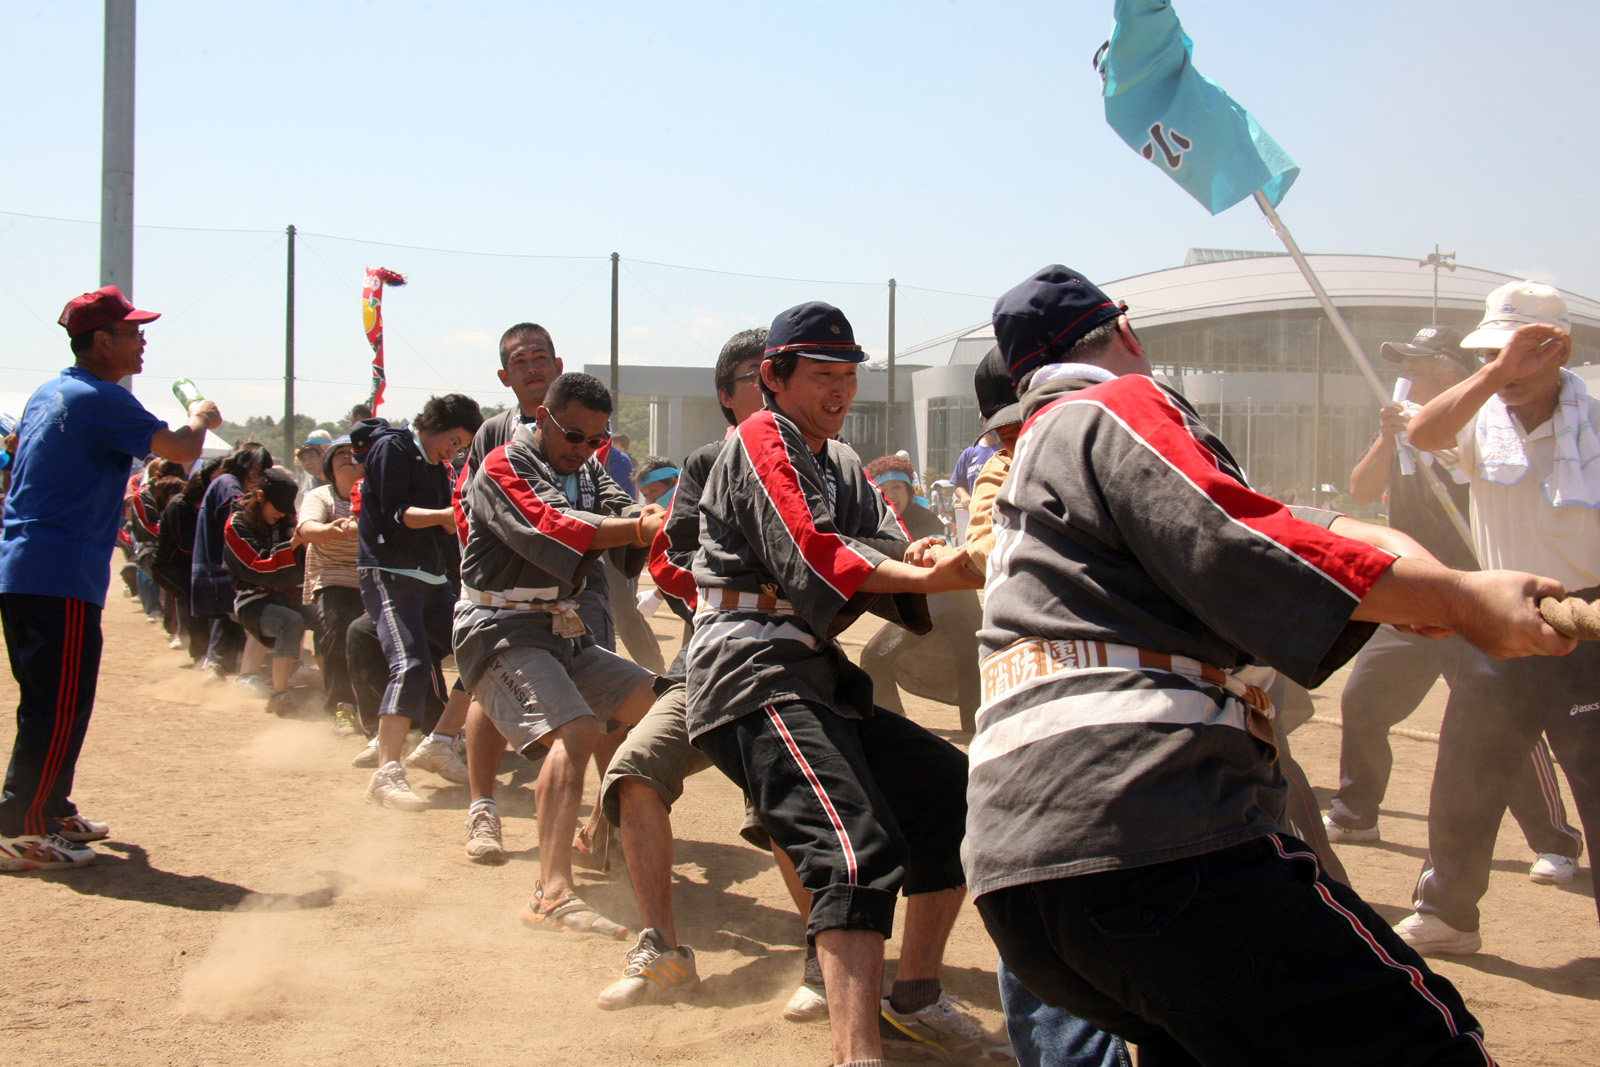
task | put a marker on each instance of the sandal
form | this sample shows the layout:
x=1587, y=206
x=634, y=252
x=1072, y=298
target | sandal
x=568, y=915
x=593, y=853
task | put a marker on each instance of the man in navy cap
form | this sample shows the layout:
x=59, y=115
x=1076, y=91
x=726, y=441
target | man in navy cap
x=78, y=436
x=1124, y=842
x=795, y=545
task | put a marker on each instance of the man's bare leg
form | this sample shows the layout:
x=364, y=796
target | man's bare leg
x=392, y=730
x=852, y=967
x=929, y=919
x=454, y=715
x=558, y=795
x=485, y=744
x=647, y=842
x=629, y=712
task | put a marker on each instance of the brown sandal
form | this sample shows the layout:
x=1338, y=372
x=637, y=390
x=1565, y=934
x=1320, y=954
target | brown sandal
x=593, y=853
x=569, y=915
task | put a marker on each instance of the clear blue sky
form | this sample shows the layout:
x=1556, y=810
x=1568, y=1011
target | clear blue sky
x=952, y=146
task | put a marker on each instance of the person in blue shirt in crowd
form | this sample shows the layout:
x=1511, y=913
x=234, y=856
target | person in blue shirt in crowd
x=79, y=436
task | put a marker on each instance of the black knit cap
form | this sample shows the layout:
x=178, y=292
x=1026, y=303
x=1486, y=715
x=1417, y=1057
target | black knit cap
x=817, y=330
x=1046, y=315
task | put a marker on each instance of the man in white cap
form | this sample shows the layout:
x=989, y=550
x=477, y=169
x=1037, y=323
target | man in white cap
x=1523, y=423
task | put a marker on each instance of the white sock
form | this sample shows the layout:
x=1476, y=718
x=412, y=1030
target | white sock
x=484, y=804
x=443, y=739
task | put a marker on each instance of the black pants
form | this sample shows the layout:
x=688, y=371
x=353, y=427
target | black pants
x=1389, y=679
x=54, y=644
x=1248, y=955
x=414, y=619
x=863, y=807
x=369, y=676
x=337, y=607
x=175, y=582
x=1496, y=712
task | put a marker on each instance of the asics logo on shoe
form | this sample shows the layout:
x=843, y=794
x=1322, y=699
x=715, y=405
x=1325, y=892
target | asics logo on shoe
x=1579, y=709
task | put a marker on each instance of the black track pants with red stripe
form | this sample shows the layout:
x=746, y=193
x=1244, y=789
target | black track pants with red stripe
x=864, y=807
x=54, y=644
x=1248, y=955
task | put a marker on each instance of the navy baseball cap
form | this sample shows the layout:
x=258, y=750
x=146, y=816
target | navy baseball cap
x=1046, y=315
x=816, y=330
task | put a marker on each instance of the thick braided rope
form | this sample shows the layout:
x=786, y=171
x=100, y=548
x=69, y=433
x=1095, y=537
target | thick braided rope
x=1573, y=617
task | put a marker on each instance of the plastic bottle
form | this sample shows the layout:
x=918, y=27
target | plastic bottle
x=186, y=392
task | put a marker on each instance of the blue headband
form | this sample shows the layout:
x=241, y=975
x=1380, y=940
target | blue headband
x=896, y=476
x=660, y=474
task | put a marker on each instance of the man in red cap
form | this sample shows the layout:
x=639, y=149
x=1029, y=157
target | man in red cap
x=79, y=435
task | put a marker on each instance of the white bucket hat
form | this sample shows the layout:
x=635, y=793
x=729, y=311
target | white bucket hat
x=1517, y=304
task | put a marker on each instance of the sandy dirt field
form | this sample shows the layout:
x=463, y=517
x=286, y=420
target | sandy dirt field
x=249, y=907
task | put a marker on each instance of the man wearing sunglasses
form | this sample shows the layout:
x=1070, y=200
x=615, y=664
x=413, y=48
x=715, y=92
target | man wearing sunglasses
x=520, y=643
x=80, y=433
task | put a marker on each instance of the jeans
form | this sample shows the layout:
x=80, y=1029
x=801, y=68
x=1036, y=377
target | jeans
x=1043, y=1036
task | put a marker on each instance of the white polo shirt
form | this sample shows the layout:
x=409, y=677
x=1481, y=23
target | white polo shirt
x=1515, y=528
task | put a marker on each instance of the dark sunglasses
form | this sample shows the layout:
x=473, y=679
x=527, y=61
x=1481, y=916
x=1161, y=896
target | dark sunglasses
x=574, y=437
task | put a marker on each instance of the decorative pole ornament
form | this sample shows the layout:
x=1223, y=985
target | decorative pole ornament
x=372, y=319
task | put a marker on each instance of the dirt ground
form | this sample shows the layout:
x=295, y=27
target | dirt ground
x=249, y=907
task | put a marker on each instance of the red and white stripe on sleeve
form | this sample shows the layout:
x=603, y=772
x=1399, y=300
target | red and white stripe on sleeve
x=247, y=554
x=828, y=555
x=1150, y=416
x=552, y=522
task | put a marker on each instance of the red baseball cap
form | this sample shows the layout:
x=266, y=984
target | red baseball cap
x=101, y=308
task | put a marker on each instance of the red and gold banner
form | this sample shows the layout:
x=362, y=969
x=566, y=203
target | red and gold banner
x=372, y=317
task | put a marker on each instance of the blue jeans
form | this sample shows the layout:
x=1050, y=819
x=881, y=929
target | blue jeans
x=1043, y=1036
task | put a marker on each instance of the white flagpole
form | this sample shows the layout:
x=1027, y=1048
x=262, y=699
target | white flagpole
x=1343, y=330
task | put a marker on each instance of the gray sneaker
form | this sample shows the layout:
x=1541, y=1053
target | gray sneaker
x=651, y=971
x=483, y=837
x=942, y=1030
x=440, y=758
x=389, y=788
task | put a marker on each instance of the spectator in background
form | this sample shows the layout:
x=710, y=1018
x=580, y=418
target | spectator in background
x=620, y=465
x=360, y=413
x=968, y=464
x=308, y=460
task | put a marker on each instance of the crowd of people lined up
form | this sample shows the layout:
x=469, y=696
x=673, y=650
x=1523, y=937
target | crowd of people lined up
x=1128, y=818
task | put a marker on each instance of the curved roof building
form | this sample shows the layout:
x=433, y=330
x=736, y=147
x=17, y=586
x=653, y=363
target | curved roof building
x=1242, y=336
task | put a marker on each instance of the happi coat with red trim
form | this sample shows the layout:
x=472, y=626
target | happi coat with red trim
x=780, y=524
x=1125, y=522
x=525, y=541
x=264, y=564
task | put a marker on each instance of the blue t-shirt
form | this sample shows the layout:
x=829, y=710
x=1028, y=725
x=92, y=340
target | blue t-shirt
x=76, y=445
x=968, y=464
x=620, y=467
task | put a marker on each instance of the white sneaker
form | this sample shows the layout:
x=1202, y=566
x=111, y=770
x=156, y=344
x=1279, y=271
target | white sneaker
x=367, y=757
x=177, y=641
x=254, y=683
x=1344, y=835
x=483, y=837
x=807, y=1004
x=78, y=829
x=389, y=788
x=440, y=758
x=212, y=671
x=944, y=1030
x=1432, y=936
x=1553, y=869
x=42, y=852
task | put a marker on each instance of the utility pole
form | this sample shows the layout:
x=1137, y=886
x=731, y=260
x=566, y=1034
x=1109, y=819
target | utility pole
x=1448, y=261
x=615, y=397
x=888, y=419
x=1316, y=429
x=289, y=442
x=116, y=151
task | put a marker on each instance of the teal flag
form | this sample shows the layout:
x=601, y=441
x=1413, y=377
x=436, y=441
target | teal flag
x=1181, y=120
